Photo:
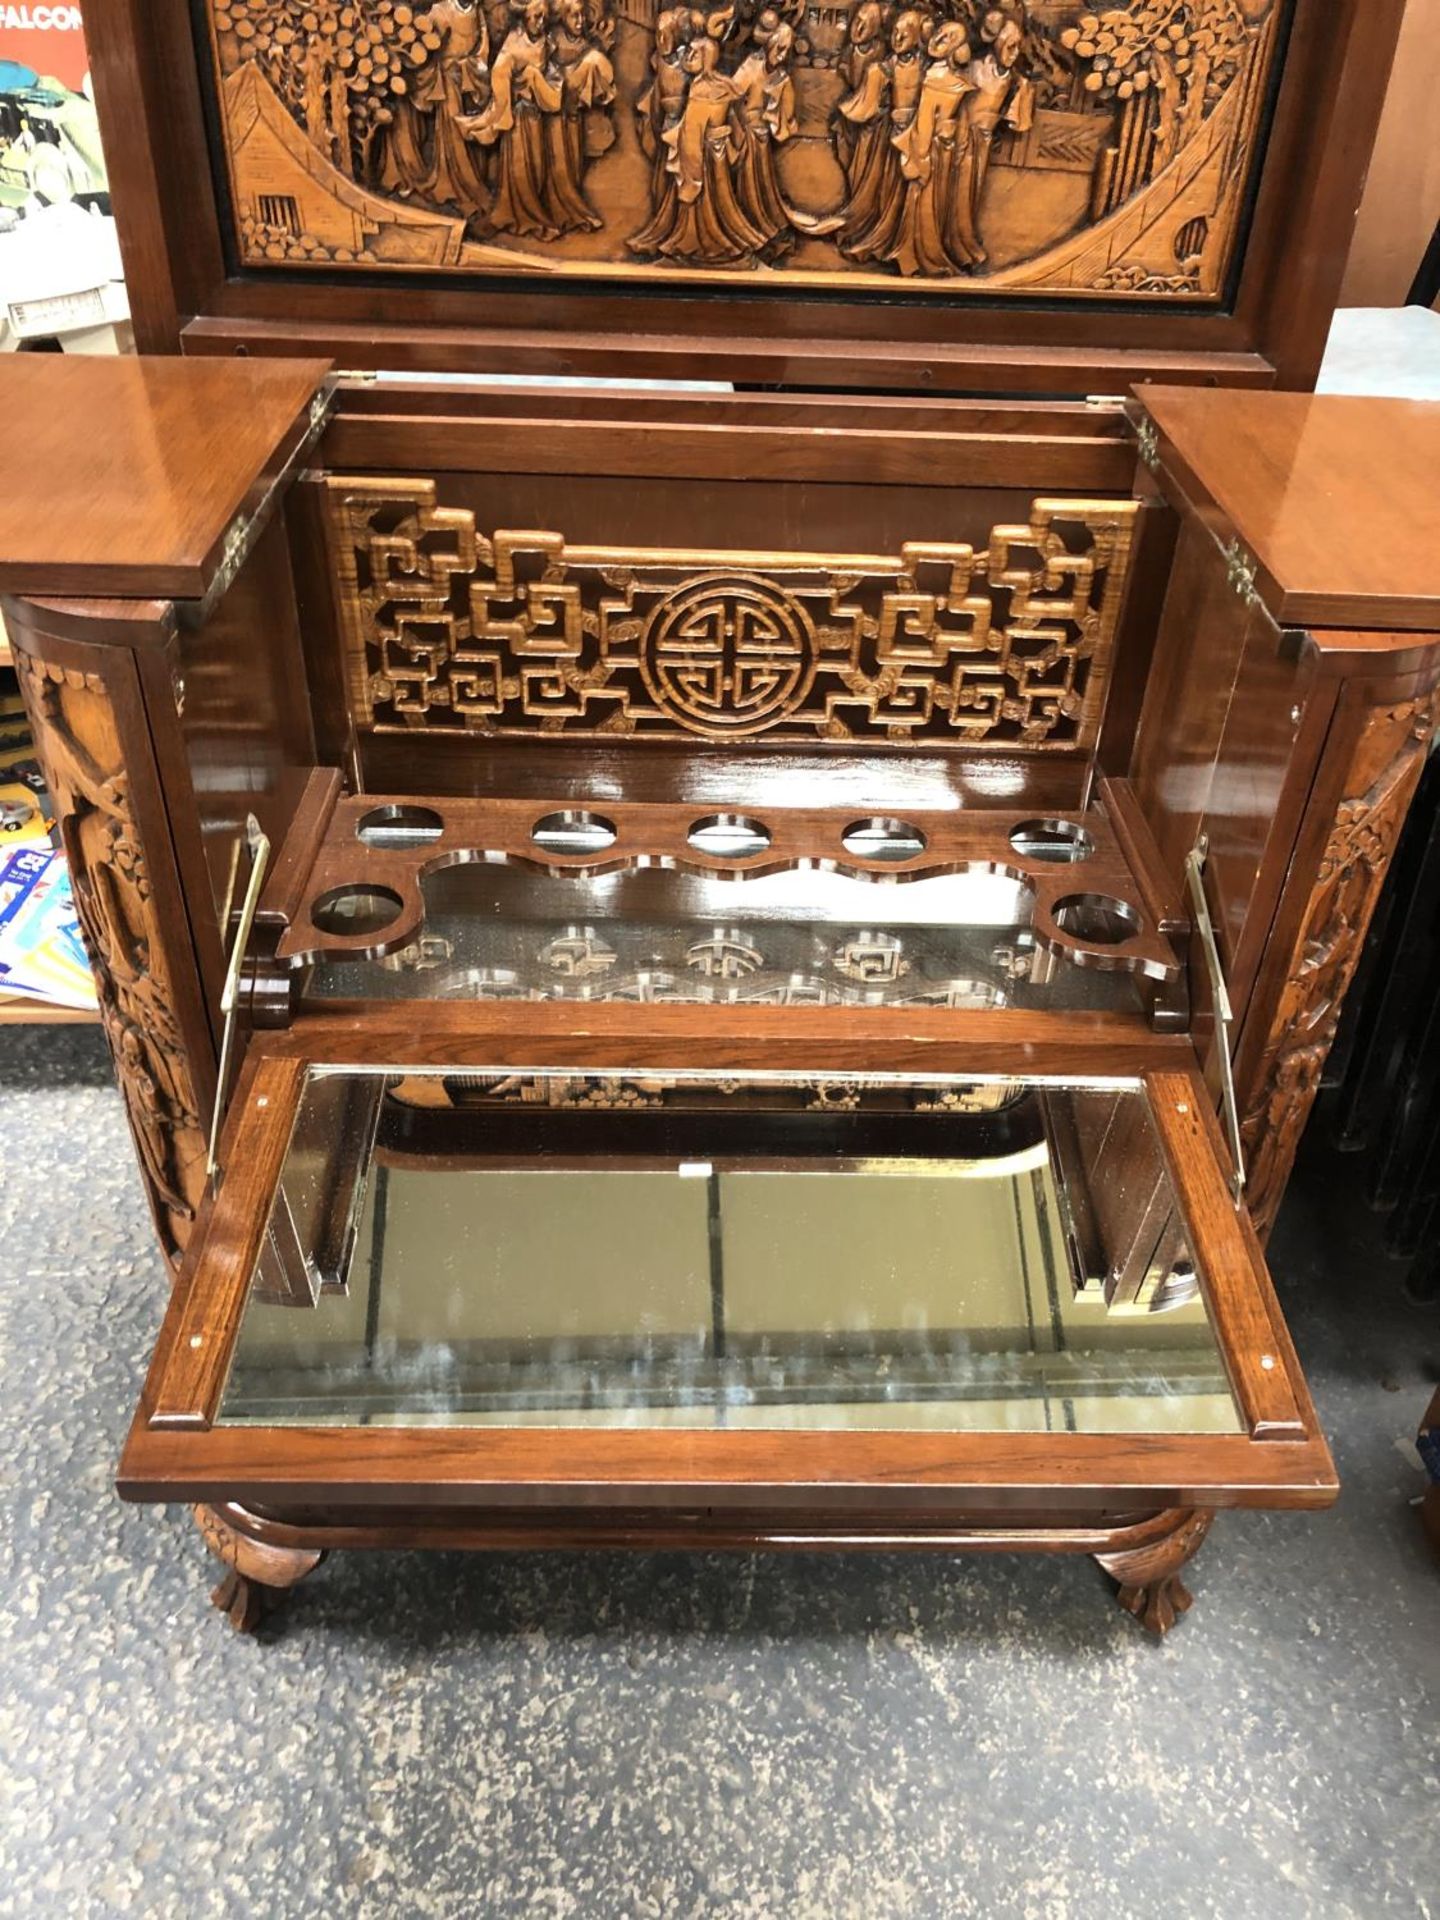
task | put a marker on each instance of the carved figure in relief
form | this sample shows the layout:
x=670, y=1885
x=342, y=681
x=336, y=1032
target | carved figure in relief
x=766, y=117
x=864, y=52
x=589, y=86
x=600, y=25
x=881, y=110
x=659, y=107
x=537, y=191
x=1001, y=96
x=934, y=234
x=447, y=91
x=1090, y=113
x=703, y=220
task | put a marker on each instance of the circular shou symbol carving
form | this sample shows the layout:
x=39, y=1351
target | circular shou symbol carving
x=728, y=654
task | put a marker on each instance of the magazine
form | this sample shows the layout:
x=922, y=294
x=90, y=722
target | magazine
x=41, y=952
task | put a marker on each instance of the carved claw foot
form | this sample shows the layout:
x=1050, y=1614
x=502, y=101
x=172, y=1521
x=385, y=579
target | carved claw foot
x=1159, y=1605
x=1149, y=1572
x=242, y=1601
x=257, y=1572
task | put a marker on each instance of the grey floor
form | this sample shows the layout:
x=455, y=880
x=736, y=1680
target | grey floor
x=663, y=1736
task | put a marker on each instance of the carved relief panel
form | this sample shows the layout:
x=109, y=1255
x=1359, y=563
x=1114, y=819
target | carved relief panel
x=129, y=928
x=521, y=634
x=1387, y=757
x=1019, y=147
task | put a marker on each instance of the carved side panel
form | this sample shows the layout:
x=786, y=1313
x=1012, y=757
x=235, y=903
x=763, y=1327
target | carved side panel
x=521, y=634
x=1384, y=769
x=1062, y=147
x=88, y=754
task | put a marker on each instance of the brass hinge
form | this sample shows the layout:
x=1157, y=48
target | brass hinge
x=1241, y=567
x=366, y=376
x=1147, y=443
x=1224, y=1011
x=238, y=536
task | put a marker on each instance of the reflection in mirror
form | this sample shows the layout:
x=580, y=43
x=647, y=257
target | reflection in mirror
x=881, y=1253
x=797, y=937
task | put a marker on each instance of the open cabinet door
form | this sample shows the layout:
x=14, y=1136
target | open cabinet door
x=664, y=1306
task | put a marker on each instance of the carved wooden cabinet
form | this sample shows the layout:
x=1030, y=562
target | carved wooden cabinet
x=763, y=949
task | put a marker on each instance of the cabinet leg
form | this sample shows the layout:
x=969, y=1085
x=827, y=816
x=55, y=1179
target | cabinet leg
x=256, y=1572
x=1149, y=1575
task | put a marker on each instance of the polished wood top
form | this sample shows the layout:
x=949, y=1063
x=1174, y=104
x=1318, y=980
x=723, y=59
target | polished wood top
x=1336, y=497
x=124, y=476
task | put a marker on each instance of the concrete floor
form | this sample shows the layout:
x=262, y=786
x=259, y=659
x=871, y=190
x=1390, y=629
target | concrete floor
x=617, y=1736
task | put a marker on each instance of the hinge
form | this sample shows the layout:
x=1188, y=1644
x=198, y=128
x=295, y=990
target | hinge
x=1109, y=401
x=365, y=376
x=259, y=844
x=232, y=556
x=1241, y=568
x=1147, y=443
x=1224, y=1011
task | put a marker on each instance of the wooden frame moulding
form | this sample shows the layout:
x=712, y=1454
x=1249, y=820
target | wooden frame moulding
x=183, y=287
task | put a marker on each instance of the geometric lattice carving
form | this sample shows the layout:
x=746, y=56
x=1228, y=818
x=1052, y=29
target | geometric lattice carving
x=1003, y=646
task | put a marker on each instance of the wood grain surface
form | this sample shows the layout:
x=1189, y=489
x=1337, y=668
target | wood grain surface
x=135, y=469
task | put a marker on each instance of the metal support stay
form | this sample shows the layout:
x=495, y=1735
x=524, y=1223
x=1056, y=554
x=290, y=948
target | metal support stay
x=1224, y=1012
x=259, y=844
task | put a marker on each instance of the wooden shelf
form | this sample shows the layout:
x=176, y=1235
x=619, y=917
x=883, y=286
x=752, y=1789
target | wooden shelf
x=18, y=1011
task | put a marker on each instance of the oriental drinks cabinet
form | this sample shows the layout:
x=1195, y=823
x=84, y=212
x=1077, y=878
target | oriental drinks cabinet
x=730, y=950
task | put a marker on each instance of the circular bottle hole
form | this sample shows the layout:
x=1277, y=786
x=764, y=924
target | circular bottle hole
x=399, y=827
x=573, y=832
x=883, y=839
x=1057, y=842
x=1096, y=919
x=729, y=836
x=353, y=911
